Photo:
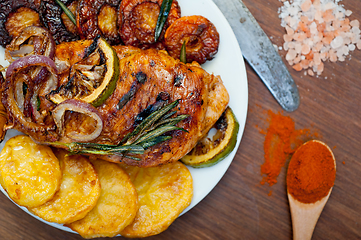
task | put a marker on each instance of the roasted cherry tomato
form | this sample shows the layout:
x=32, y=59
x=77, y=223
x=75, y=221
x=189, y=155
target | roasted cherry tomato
x=98, y=17
x=54, y=19
x=15, y=15
x=138, y=20
x=199, y=34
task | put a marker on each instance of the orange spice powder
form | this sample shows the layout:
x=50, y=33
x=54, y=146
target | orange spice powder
x=311, y=172
x=281, y=141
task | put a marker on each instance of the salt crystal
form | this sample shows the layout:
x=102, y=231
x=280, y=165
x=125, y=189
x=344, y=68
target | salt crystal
x=317, y=58
x=313, y=28
x=291, y=54
x=293, y=11
x=351, y=47
x=355, y=23
x=298, y=47
x=339, y=15
x=355, y=30
x=285, y=46
x=318, y=16
x=348, y=13
x=341, y=58
x=289, y=30
x=291, y=45
x=305, y=49
x=339, y=53
x=329, y=5
x=306, y=5
x=337, y=42
x=345, y=49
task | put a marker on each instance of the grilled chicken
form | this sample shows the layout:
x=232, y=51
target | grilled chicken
x=146, y=78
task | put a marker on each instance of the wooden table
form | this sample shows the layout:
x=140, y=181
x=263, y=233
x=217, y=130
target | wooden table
x=239, y=207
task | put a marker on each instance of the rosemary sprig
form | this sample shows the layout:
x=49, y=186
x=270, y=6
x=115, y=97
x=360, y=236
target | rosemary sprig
x=183, y=53
x=148, y=133
x=162, y=18
x=66, y=11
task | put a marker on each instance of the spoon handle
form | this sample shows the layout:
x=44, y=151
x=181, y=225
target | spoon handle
x=305, y=216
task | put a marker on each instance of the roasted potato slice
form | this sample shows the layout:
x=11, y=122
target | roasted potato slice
x=78, y=194
x=30, y=172
x=116, y=207
x=163, y=193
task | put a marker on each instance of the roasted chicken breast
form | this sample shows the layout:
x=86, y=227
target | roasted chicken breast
x=146, y=78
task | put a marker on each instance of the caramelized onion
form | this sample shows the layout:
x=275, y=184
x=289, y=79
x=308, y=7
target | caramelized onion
x=79, y=106
x=43, y=131
x=31, y=60
x=37, y=40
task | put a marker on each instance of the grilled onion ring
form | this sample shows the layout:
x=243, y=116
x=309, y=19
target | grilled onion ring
x=51, y=17
x=200, y=35
x=43, y=131
x=79, y=106
x=7, y=7
x=94, y=18
x=42, y=43
x=138, y=19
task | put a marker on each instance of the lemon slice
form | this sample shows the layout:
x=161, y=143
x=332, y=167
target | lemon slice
x=94, y=78
x=211, y=150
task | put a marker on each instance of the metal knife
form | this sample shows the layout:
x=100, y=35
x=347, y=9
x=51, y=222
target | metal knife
x=260, y=53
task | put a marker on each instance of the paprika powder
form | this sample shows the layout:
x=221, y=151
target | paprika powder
x=311, y=172
x=280, y=143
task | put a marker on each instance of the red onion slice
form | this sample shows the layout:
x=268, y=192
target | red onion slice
x=40, y=131
x=43, y=42
x=80, y=107
x=31, y=60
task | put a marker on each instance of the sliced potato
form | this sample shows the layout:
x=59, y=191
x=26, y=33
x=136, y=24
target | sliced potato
x=116, y=207
x=30, y=172
x=78, y=194
x=163, y=193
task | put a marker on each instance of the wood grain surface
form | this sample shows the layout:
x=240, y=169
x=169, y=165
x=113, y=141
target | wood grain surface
x=239, y=207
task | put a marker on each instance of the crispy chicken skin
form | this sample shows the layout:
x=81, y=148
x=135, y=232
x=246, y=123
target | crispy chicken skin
x=145, y=77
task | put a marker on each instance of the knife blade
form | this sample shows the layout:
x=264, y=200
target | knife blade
x=260, y=53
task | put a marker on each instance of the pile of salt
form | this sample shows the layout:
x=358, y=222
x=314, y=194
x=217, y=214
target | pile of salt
x=317, y=31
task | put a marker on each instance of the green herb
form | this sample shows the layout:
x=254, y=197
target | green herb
x=183, y=53
x=66, y=11
x=162, y=18
x=148, y=133
x=38, y=103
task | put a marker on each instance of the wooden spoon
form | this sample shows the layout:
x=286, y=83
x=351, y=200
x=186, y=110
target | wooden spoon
x=305, y=215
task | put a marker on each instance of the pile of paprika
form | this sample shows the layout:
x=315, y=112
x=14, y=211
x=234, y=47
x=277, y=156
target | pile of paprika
x=281, y=141
x=311, y=172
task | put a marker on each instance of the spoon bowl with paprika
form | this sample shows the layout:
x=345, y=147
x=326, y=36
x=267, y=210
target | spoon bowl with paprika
x=310, y=178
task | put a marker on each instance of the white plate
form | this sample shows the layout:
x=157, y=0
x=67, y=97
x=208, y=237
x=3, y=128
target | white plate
x=229, y=64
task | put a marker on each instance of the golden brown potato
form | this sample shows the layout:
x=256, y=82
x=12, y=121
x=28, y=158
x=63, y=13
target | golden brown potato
x=199, y=34
x=116, y=207
x=163, y=193
x=30, y=172
x=78, y=194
